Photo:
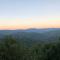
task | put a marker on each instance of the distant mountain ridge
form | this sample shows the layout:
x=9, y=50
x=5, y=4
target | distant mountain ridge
x=42, y=30
x=30, y=30
x=33, y=34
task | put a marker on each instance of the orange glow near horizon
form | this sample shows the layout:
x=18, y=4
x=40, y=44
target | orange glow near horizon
x=29, y=23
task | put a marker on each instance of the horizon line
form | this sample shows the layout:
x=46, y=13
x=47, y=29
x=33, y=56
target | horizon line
x=30, y=28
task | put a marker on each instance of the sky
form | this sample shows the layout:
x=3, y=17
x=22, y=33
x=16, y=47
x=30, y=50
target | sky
x=24, y=14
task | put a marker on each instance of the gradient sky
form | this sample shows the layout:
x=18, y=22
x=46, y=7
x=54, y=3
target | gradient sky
x=22, y=14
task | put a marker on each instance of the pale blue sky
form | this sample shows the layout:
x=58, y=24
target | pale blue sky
x=35, y=10
x=28, y=8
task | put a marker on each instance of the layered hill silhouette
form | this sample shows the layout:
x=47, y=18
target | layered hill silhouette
x=33, y=34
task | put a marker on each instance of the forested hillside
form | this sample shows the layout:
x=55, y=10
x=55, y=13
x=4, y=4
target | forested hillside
x=11, y=49
x=34, y=35
x=30, y=44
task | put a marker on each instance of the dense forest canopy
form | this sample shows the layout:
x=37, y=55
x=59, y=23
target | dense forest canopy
x=11, y=49
x=32, y=44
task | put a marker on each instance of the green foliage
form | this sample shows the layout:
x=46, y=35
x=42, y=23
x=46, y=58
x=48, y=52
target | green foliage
x=11, y=49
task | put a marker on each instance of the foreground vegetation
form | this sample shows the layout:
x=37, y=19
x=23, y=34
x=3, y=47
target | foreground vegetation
x=11, y=49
